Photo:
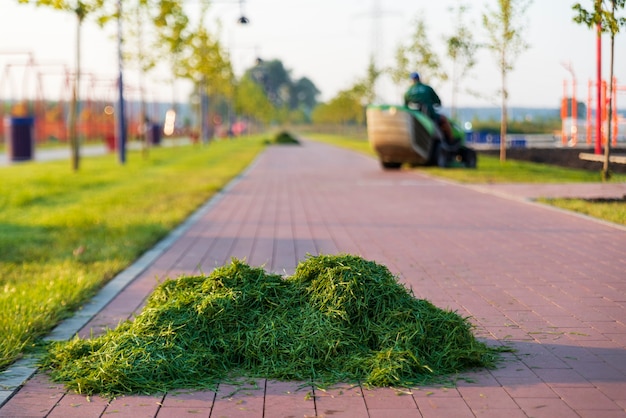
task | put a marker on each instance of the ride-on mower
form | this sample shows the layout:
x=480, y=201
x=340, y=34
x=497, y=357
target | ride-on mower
x=400, y=135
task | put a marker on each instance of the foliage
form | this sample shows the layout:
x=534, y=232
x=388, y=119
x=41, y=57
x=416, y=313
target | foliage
x=303, y=95
x=604, y=13
x=345, y=108
x=154, y=30
x=505, y=40
x=337, y=319
x=252, y=101
x=62, y=237
x=283, y=92
x=204, y=62
x=418, y=56
x=462, y=51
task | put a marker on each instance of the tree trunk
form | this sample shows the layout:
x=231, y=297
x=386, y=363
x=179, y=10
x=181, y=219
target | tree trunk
x=503, y=116
x=73, y=130
x=606, y=173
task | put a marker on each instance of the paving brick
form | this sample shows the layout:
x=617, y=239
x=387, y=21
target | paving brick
x=189, y=399
x=244, y=400
x=546, y=408
x=587, y=398
x=288, y=399
x=388, y=398
x=183, y=412
x=136, y=406
x=79, y=406
x=340, y=401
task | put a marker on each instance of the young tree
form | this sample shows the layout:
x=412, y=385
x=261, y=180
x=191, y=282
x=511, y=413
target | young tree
x=604, y=16
x=253, y=102
x=461, y=50
x=505, y=40
x=417, y=55
x=345, y=108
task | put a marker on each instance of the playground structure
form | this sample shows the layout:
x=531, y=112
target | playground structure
x=35, y=101
x=571, y=133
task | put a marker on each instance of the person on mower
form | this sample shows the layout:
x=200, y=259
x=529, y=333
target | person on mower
x=422, y=97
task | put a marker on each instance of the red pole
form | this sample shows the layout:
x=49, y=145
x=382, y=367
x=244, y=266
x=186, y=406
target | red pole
x=599, y=104
x=574, y=112
x=564, y=115
x=589, y=103
x=615, y=127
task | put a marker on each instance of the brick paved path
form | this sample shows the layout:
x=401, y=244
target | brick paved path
x=550, y=284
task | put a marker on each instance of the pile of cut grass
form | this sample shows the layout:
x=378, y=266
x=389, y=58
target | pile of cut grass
x=337, y=319
x=284, y=138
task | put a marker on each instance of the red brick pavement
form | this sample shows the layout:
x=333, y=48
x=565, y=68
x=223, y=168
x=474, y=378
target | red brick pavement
x=550, y=284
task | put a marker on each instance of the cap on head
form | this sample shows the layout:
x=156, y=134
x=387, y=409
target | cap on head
x=415, y=76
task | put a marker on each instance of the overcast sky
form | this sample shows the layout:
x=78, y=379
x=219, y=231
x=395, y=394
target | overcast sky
x=330, y=42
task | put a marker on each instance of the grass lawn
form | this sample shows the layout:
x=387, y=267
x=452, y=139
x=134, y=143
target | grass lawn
x=63, y=235
x=491, y=170
x=612, y=211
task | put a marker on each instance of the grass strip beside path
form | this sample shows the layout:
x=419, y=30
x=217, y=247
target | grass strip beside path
x=63, y=235
x=609, y=210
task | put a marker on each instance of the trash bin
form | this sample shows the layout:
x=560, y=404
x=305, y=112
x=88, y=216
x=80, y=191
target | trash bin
x=155, y=134
x=20, y=138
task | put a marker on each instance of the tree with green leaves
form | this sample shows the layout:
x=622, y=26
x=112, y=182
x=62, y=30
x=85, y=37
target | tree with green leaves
x=505, y=26
x=604, y=15
x=303, y=95
x=461, y=50
x=252, y=101
x=417, y=55
x=345, y=108
x=274, y=79
x=290, y=99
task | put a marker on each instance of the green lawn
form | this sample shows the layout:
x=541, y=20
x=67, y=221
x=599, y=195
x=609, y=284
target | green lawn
x=63, y=235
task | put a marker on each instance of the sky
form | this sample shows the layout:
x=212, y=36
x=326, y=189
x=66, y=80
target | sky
x=328, y=41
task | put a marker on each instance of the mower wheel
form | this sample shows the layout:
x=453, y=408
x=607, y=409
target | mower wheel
x=469, y=157
x=387, y=165
x=443, y=158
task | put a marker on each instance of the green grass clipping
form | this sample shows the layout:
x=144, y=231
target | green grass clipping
x=338, y=318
